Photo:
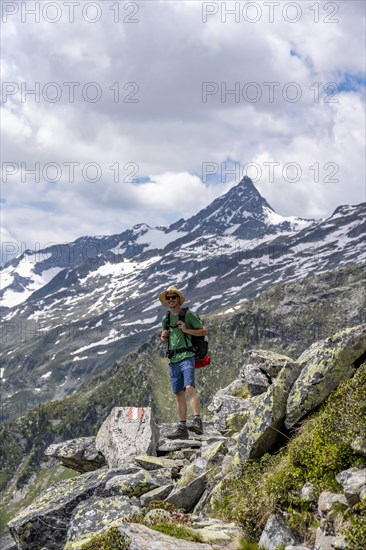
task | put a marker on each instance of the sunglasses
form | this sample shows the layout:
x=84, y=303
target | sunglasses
x=171, y=297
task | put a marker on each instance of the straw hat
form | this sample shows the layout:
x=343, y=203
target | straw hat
x=171, y=289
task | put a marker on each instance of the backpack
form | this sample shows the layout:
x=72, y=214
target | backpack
x=199, y=344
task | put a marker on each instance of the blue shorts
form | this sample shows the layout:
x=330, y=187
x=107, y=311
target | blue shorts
x=182, y=374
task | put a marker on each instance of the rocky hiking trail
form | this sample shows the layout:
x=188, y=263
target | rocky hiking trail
x=133, y=479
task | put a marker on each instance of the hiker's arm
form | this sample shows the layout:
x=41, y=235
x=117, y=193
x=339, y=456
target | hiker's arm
x=192, y=331
x=164, y=336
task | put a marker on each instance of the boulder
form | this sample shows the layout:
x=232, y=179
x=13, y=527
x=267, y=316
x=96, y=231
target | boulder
x=77, y=454
x=358, y=445
x=353, y=483
x=226, y=405
x=160, y=493
x=277, y=533
x=262, y=429
x=144, y=538
x=192, y=471
x=270, y=362
x=188, y=495
x=169, y=445
x=327, y=500
x=214, y=530
x=328, y=542
x=307, y=492
x=95, y=516
x=127, y=432
x=156, y=462
x=323, y=366
x=45, y=522
x=136, y=484
x=7, y=542
x=257, y=382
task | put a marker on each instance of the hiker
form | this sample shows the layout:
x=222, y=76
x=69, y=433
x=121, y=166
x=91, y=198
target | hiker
x=182, y=359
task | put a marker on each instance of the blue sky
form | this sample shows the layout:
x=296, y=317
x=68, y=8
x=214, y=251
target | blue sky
x=162, y=97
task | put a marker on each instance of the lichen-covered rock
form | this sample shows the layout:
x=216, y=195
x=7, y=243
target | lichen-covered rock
x=226, y=406
x=136, y=484
x=144, y=538
x=95, y=516
x=187, y=496
x=215, y=530
x=307, y=492
x=261, y=431
x=169, y=445
x=191, y=472
x=257, y=382
x=45, y=522
x=78, y=454
x=358, y=445
x=156, y=462
x=327, y=500
x=352, y=481
x=160, y=493
x=214, y=454
x=328, y=542
x=127, y=432
x=276, y=533
x=270, y=362
x=7, y=542
x=323, y=366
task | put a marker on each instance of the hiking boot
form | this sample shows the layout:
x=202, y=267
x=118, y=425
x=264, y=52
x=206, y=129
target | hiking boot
x=196, y=426
x=180, y=433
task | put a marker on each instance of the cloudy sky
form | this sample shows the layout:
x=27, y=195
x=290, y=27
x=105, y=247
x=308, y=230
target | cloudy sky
x=116, y=113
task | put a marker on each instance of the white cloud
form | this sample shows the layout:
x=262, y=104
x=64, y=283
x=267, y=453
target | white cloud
x=171, y=132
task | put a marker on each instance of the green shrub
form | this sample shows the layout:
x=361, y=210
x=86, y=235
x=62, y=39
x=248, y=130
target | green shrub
x=111, y=540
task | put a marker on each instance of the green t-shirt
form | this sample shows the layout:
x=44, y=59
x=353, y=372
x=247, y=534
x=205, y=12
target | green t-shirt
x=176, y=336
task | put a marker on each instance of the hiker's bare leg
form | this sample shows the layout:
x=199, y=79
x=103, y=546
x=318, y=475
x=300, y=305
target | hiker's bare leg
x=181, y=405
x=194, y=400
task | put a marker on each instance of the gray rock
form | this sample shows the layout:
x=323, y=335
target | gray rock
x=276, y=533
x=45, y=522
x=136, y=484
x=352, y=482
x=307, y=492
x=127, y=432
x=144, y=538
x=160, y=493
x=7, y=542
x=328, y=542
x=327, y=500
x=257, y=381
x=345, y=474
x=299, y=547
x=187, y=496
x=156, y=462
x=270, y=362
x=168, y=445
x=227, y=406
x=261, y=431
x=358, y=445
x=97, y=515
x=324, y=365
x=78, y=454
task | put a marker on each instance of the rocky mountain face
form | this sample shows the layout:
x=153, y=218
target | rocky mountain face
x=137, y=488
x=72, y=310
